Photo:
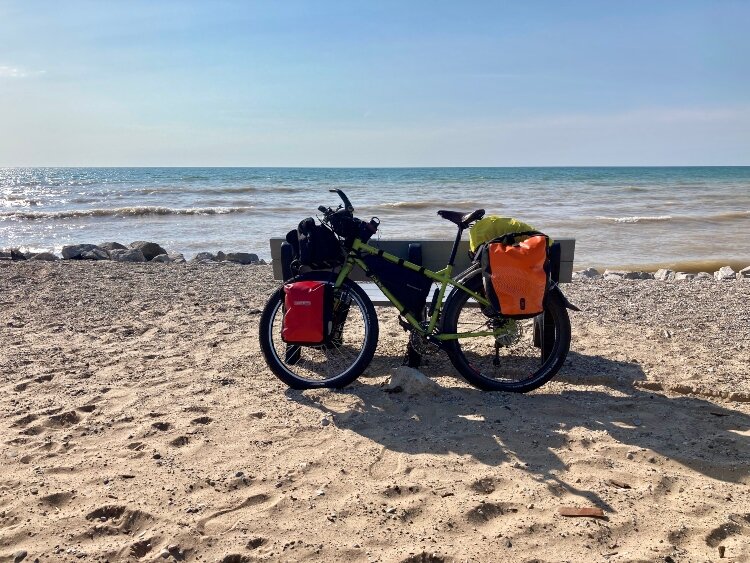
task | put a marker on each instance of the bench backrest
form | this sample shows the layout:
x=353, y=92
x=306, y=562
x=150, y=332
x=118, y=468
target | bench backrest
x=435, y=254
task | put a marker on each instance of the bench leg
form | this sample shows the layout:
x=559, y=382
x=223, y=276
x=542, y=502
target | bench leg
x=412, y=359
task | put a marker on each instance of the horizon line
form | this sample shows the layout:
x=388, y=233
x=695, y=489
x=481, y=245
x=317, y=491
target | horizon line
x=402, y=167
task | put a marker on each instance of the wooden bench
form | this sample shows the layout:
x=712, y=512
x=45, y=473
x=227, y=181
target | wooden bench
x=432, y=254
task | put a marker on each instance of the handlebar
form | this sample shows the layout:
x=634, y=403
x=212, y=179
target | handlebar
x=344, y=223
x=347, y=204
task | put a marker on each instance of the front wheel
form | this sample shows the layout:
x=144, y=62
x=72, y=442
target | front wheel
x=335, y=364
x=522, y=354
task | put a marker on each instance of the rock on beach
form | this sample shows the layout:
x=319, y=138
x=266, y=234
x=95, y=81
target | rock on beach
x=75, y=251
x=150, y=250
x=127, y=255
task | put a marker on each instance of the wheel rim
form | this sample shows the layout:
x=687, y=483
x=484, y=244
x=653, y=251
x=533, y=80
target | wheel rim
x=519, y=358
x=319, y=364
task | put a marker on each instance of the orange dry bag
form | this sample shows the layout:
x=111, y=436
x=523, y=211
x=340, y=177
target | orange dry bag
x=516, y=274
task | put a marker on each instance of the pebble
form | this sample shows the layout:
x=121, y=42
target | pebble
x=320, y=492
x=324, y=421
x=19, y=555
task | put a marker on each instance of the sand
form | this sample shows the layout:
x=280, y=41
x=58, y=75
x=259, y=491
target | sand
x=139, y=422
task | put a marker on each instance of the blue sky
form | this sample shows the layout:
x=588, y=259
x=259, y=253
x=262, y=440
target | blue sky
x=376, y=83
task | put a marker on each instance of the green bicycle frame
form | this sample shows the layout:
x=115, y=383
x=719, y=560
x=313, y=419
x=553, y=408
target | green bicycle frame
x=443, y=277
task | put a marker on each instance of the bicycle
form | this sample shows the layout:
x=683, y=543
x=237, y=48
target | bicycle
x=493, y=353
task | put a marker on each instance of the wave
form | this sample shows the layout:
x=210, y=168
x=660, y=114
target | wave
x=11, y=201
x=123, y=212
x=729, y=216
x=636, y=219
x=189, y=190
x=725, y=217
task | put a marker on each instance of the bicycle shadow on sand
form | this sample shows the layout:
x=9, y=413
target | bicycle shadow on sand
x=531, y=431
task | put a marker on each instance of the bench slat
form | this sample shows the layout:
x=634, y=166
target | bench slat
x=435, y=253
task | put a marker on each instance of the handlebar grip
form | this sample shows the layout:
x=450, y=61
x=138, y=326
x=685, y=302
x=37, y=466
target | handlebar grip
x=322, y=209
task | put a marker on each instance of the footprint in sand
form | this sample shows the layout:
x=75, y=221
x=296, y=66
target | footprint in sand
x=387, y=464
x=489, y=511
x=202, y=420
x=57, y=499
x=484, y=486
x=25, y=420
x=33, y=430
x=162, y=426
x=253, y=502
x=180, y=441
x=235, y=558
x=64, y=419
x=425, y=557
x=739, y=524
x=120, y=518
x=140, y=548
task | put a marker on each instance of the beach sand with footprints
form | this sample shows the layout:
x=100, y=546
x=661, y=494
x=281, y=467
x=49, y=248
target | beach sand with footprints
x=140, y=422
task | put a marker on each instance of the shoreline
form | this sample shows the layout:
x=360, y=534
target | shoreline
x=20, y=253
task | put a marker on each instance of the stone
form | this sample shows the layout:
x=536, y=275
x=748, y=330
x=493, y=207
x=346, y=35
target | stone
x=588, y=273
x=95, y=254
x=127, y=255
x=74, y=251
x=241, y=257
x=220, y=256
x=163, y=258
x=411, y=381
x=45, y=257
x=744, y=273
x=638, y=276
x=19, y=556
x=204, y=257
x=725, y=273
x=684, y=276
x=664, y=274
x=614, y=274
x=150, y=250
x=703, y=276
x=112, y=246
x=176, y=257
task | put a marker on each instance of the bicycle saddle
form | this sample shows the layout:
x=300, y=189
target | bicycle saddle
x=461, y=219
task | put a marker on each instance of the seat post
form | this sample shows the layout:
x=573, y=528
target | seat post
x=455, y=246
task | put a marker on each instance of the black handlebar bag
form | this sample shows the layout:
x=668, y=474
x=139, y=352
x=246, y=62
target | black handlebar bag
x=316, y=246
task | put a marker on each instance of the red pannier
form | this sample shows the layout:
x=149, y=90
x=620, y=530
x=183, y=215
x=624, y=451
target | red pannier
x=308, y=307
x=516, y=274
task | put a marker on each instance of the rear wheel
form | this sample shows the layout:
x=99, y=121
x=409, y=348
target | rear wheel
x=521, y=356
x=335, y=364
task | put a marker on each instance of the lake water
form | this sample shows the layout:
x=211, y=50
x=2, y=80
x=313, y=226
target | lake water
x=694, y=218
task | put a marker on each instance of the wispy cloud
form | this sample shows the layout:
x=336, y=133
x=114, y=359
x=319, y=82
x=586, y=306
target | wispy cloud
x=17, y=72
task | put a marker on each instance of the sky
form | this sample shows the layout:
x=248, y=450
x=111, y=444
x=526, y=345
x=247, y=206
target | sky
x=374, y=83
